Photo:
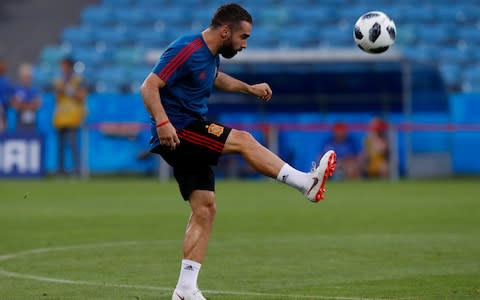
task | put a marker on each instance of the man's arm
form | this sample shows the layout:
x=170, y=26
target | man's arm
x=151, y=99
x=227, y=83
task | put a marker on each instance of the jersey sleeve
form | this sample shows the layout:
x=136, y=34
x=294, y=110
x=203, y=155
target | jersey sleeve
x=172, y=64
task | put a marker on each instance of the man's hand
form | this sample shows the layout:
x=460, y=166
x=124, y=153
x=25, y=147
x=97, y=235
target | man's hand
x=261, y=91
x=168, y=136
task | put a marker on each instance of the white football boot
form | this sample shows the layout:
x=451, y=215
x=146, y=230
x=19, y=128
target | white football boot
x=315, y=191
x=187, y=295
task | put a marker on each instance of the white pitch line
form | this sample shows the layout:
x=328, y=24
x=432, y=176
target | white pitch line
x=6, y=273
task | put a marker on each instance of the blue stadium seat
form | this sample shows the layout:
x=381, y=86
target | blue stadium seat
x=78, y=36
x=452, y=55
x=451, y=73
x=152, y=39
x=264, y=39
x=445, y=14
x=113, y=38
x=470, y=35
x=432, y=34
x=112, y=79
x=97, y=16
x=126, y=17
x=471, y=77
x=153, y=4
x=418, y=13
x=276, y=17
x=336, y=37
x=467, y=13
x=53, y=54
x=117, y=3
x=301, y=36
x=129, y=56
x=316, y=16
x=43, y=75
x=88, y=55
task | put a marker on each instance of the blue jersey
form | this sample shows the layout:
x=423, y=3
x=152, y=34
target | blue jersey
x=343, y=149
x=26, y=94
x=189, y=69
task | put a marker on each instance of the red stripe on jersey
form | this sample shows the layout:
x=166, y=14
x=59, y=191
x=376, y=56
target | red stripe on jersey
x=206, y=138
x=199, y=142
x=172, y=62
x=179, y=59
x=180, y=62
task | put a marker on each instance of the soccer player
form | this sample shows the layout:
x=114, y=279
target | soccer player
x=176, y=95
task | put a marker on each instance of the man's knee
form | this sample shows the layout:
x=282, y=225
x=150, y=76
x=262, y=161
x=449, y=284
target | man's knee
x=238, y=140
x=203, y=205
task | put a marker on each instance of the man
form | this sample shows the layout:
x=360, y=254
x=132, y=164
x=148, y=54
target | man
x=26, y=100
x=6, y=92
x=376, y=149
x=70, y=94
x=347, y=151
x=176, y=95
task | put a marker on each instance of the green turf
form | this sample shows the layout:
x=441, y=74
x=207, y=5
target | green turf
x=121, y=239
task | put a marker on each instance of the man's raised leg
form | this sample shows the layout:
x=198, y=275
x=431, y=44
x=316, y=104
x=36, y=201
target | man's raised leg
x=312, y=185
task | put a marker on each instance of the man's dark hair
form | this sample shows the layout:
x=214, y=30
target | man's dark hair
x=69, y=61
x=230, y=14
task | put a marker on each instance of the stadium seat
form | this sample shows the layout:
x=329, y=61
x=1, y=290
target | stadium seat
x=301, y=36
x=78, y=36
x=113, y=38
x=53, y=54
x=471, y=78
x=112, y=79
x=467, y=13
x=451, y=73
x=152, y=39
x=334, y=36
x=433, y=34
x=95, y=16
x=469, y=35
x=317, y=16
x=417, y=13
x=263, y=39
x=118, y=3
x=452, y=55
x=43, y=75
x=126, y=17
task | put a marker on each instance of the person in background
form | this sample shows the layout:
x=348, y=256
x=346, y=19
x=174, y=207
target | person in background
x=70, y=95
x=6, y=92
x=376, y=150
x=26, y=100
x=348, y=152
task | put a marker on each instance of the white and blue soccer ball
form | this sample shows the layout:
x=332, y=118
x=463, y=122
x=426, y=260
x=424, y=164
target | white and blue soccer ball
x=374, y=32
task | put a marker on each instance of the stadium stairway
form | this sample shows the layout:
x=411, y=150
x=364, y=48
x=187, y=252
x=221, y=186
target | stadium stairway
x=35, y=22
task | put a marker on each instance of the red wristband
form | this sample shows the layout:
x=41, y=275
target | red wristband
x=163, y=123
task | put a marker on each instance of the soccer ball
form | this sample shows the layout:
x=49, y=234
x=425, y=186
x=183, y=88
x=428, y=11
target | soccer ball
x=374, y=32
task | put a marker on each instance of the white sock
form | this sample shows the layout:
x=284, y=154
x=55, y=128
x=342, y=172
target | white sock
x=293, y=177
x=188, y=275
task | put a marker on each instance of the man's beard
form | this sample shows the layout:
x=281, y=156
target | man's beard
x=227, y=49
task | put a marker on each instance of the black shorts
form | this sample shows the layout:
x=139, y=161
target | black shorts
x=201, y=144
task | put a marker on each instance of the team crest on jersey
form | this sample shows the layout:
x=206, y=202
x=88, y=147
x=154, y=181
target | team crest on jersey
x=202, y=75
x=215, y=129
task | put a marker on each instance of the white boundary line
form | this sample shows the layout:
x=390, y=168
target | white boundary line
x=11, y=256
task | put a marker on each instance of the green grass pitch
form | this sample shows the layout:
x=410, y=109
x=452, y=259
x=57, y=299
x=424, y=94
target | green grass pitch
x=122, y=239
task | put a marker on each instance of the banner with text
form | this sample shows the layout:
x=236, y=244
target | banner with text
x=21, y=155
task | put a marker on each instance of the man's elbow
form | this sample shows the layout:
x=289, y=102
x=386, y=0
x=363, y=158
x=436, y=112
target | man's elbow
x=144, y=89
